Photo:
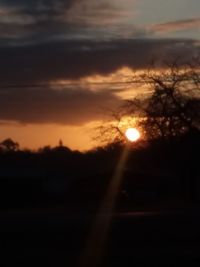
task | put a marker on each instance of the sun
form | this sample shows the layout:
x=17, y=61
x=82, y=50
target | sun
x=132, y=134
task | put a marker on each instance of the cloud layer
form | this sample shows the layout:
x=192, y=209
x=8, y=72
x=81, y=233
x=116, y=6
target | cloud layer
x=76, y=59
x=44, y=105
x=179, y=25
x=45, y=41
x=40, y=19
x=22, y=67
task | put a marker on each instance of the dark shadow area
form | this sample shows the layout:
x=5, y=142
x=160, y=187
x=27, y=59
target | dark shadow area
x=48, y=200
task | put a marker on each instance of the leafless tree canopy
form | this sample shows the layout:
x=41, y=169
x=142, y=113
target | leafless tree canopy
x=171, y=110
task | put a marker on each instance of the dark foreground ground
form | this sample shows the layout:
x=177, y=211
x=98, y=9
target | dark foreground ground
x=135, y=239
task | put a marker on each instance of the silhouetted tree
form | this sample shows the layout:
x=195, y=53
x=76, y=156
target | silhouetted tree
x=170, y=109
x=9, y=145
x=169, y=112
x=173, y=109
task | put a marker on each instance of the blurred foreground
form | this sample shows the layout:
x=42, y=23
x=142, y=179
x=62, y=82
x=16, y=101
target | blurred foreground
x=49, y=201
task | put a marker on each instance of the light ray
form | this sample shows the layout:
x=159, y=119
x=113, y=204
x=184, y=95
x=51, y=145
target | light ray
x=94, y=250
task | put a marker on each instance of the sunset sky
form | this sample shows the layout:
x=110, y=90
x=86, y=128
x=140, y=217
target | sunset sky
x=65, y=61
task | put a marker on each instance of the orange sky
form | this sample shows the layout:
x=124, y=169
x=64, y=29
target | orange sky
x=77, y=137
x=35, y=136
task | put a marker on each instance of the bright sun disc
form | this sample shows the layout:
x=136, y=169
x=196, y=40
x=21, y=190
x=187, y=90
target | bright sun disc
x=132, y=134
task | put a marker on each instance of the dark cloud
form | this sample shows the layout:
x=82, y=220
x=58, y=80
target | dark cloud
x=39, y=5
x=48, y=40
x=33, y=21
x=77, y=59
x=68, y=11
x=44, y=105
x=23, y=66
x=34, y=18
x=29, y=13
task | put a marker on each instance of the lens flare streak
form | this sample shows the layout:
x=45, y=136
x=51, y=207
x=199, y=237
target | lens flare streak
x=94, y=250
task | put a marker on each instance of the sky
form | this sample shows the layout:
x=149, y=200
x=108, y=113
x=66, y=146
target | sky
x=65, y=62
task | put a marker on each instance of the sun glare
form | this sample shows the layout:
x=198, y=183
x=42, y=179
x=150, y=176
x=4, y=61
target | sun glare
x=132, y=134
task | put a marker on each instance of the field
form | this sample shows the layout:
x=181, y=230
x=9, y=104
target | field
x=135, y=239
